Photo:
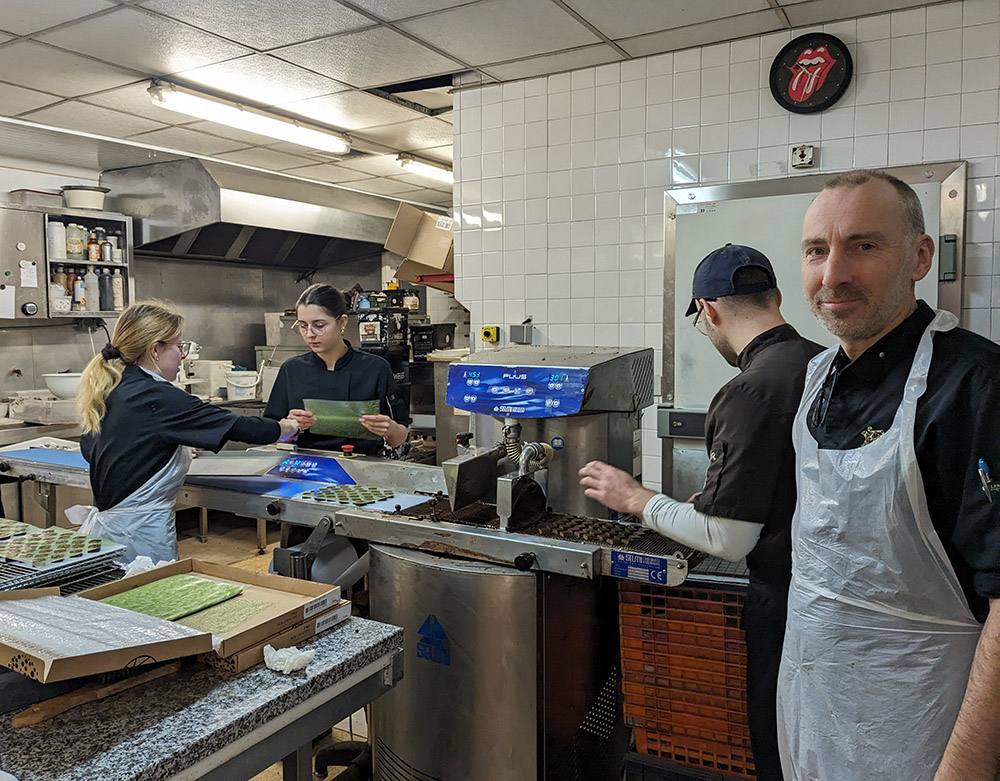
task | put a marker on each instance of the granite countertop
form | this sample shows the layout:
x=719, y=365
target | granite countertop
x=163, y=727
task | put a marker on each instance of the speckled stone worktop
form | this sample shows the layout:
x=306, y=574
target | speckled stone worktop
x=165, y=726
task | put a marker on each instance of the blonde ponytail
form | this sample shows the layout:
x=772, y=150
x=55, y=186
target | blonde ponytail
x=139, y=327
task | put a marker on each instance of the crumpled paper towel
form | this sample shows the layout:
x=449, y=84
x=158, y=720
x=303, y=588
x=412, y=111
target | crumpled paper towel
x=287, y=660
x=142, y=564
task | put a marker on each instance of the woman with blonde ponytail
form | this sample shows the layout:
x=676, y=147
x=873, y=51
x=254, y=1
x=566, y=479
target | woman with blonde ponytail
x=138, y=429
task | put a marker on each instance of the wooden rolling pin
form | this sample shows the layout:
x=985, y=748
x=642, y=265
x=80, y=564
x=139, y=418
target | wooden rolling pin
x=92, y=692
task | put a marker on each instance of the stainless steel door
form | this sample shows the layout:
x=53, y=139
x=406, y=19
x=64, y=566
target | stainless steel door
x=467, y=705
x=22, y=263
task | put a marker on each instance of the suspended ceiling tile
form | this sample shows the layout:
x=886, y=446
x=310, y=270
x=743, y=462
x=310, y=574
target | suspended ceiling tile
x=326, y=172
x=438, y=97
x=232, y=133
x=261, y=79
x=416, y=180
x=408, y=136
x=184, y=140
x=134, y=99
x=16, y=100
x=264, y=25
x=442, y=154
x=266, y=158
x=554, y=63
x=45, y=68
x=376, y=165
x=379, y=186
x=92, y=119
x=400, y=9
x=821, y=11
x=149, y=43
x=370, y=58
x=700, y=34
x=23, y=17
x=351, y=110
x=498, y=30
x=6, y=37
x=626, y=18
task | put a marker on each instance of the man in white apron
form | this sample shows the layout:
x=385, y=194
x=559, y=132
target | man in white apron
x=886, y=672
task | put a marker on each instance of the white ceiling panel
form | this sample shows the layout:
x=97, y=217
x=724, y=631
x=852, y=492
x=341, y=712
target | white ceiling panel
x=24, y=17
x=377, y=165
x=370, y=58
x=16, y=100
x=266, y=158
x=416, y=180
x=351, y=110
x=4, y=37
x=144, y=41
x=326, y=172
x=554, y=63
x=442, y=154
x=262, y=79
x=401, y=9
x=380, y=186
x=185, y=140
x=820, y=11
x=232, y=133
x=134, y=99
x=407, y=136
x=625, y=18
x=37, y=66
x=498, y=30
x=701, y=34
x=264, y=25
x=92, y=119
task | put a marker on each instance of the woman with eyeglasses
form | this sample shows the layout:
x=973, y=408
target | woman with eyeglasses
x=138, y=429
x=334, y=370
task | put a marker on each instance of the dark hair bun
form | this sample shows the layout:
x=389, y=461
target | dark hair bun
x=326, y=297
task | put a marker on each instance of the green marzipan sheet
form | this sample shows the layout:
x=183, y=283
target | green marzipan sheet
x=340, y=418
x=225, y=617
x=174, y=597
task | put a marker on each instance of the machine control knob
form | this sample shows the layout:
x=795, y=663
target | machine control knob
x=29, y=308
x=525, y=561
x=273, y=508
x=4, y=466
x=464, y=438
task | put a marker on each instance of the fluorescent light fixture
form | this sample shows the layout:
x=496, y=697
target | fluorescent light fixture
x=438, y=171
x=232, y=114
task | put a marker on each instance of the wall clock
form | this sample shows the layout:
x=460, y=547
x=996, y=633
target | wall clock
x=811, y=73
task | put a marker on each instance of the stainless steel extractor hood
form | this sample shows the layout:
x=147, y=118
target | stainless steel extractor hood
x=200, y=210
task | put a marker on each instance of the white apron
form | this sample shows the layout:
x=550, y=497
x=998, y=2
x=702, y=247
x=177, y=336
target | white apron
x=879, y=639
x=144, y=522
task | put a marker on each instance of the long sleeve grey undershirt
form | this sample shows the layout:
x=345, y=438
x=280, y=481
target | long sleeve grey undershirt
x=722, y=537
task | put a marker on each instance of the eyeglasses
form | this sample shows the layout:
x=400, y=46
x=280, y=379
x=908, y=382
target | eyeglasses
x=699, y=324
x=185, y=347
x=318, y=328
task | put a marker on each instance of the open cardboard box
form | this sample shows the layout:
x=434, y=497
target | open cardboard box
x=248, y=657
x=292, y=601
x=43, y=660
x=427, y=243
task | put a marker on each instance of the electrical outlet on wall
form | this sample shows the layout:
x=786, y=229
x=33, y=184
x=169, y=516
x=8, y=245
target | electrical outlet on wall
x=803, y=156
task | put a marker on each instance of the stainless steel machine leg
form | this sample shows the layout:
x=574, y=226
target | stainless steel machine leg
x=261, y=536
x=203, y=524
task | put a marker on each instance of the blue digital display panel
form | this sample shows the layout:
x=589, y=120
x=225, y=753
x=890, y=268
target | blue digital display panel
x=321, y=469
x=516, y=391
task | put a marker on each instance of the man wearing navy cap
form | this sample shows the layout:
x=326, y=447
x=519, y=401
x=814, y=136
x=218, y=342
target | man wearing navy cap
x=746, y=506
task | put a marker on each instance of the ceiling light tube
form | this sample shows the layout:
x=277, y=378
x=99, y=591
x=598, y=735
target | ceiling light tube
x=231, y=114
x=413, y=165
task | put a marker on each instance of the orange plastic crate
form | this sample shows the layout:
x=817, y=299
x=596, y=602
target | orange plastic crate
x=684, y=675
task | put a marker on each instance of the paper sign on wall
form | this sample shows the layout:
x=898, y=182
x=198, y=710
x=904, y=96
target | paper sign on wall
x=6, y=302
x=29, y=273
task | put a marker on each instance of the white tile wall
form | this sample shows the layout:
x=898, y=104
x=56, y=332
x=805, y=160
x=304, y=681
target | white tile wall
x=600, y=145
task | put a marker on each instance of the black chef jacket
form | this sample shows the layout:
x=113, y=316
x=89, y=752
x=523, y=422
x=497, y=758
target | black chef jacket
x=751, y=471
x=957, y=423
x=357, y=376
x=145, y=421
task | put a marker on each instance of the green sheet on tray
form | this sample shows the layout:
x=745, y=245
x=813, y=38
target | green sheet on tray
x=174, y=597
x=226, y=616
x=340, y=418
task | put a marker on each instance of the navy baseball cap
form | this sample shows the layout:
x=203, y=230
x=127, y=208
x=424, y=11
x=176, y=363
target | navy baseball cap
x=713, y=278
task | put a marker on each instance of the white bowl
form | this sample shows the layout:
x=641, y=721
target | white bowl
x=80, y=196
x=63, y=386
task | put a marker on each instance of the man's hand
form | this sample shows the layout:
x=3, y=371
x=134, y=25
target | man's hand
x=304, y=418
x=383, y=426
x=614, y=488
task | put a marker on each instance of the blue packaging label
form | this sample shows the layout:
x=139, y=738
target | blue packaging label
x=321, y=469
x=640, y=567
x=515, y=391
x=434, y=645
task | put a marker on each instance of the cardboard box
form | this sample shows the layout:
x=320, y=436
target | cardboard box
x=427, y=243
x=74, y=652
x=294, y=601
x=248, y=657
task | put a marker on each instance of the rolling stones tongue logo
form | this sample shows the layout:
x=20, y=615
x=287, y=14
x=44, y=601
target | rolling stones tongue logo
x=809, y=73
